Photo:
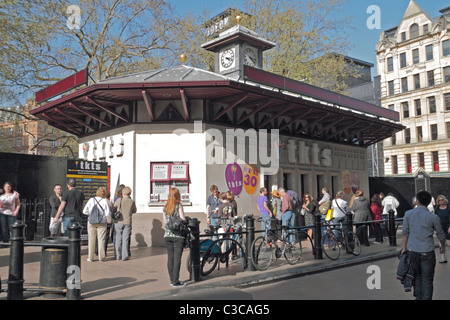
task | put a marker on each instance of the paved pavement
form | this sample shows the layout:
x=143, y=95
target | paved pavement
x=145, y=276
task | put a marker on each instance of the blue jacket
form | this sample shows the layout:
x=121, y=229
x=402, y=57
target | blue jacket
x=407, y=269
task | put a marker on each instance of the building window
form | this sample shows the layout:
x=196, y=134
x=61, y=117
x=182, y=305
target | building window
x=447, y=101
x=394, y=139
x=408, y=163
x=414, y=31
x=429, y=51
x=391, y=107
x=447, y=124
x=435, y=156
x=446, y=47
x=11, y=131
x=402, y=60
x=419, y=133
x=394, y=165
x=417, y=81
x=434, y=132
x=418, y=107
x=19, y=143
x=430, y=76
x=390, y=64
x=407, y=136
x=405, y=109
x=403, y=35
x=421, y=158
x=391, y=88
x=432, y=104
x=425, y=28
x=415, y=54
x=404, y=84
x=447, y=74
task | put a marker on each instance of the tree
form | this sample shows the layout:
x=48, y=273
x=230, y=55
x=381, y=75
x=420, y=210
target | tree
x=311, y=40
x=45, y=41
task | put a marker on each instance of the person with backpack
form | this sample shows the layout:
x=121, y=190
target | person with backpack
x=173, y=210
x=99, y=212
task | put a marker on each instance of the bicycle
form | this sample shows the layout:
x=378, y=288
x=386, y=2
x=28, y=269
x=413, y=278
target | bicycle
x=265, y=249
x=228, y=248
x=336, y=238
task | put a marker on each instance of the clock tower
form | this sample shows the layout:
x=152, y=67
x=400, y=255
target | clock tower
x=236, y=47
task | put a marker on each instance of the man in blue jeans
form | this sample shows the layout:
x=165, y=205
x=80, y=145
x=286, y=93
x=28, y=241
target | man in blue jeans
x=72, y=205
x=264, y=211
x=419, y=225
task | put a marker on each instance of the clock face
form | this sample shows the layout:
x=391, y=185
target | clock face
x=250, y=57
x=227, y=58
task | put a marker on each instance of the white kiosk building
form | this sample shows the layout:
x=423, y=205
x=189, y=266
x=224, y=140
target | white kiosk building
x=239, y=128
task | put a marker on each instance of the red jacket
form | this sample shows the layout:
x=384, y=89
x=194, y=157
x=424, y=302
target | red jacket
x=375, y=211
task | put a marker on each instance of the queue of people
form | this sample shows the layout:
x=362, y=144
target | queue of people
x=116, y=218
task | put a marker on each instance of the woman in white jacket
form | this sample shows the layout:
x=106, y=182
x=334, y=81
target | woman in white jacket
x=98, y=230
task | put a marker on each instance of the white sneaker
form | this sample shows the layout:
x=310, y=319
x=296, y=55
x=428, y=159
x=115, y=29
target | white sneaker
x=178, y=284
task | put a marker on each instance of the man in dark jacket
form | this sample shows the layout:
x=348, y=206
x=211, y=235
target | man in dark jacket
x=419, y=226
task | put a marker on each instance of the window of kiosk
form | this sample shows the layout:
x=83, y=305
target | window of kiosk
x=166, y=176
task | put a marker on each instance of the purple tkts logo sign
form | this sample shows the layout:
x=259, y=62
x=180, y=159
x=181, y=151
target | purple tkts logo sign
x=233, y=177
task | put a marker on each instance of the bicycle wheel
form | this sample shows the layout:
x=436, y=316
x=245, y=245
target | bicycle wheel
x=293, y=249
x=210, y=258
x=262, y=253
x=353, y=244
x=330, y=246
x=235, y=256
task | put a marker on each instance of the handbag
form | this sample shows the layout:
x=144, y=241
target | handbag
x=323, y=208
x=118, y=214
x=95, y=216
x=176, y=225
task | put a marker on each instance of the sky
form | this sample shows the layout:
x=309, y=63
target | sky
x=362, y=38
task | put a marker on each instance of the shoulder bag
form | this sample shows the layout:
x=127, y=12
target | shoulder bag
x=118, y=214
x=176, y=225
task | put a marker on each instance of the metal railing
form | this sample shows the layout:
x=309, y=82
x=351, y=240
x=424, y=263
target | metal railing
x=249, y=231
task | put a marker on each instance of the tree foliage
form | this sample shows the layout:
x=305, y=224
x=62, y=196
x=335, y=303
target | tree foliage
x=41, y=44
x=310, y=37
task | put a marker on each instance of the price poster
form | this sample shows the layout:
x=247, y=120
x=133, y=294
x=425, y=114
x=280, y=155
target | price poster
x=251, y=177
x=160, y=172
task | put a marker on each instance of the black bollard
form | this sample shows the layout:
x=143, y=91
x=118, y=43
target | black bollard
x=250, y=228
x=15, y=279
x=318, y=236
x=391, y=229
x=194, y=226
x=73, y=281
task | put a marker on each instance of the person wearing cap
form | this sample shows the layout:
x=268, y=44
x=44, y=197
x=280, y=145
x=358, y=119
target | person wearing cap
x=276, y=204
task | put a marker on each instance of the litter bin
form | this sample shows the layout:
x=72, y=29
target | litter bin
x=54, y=259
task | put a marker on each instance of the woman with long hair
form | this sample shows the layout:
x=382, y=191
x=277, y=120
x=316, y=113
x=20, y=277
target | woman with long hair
x=9, y=209
x=174, y=242
x=308, y=209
